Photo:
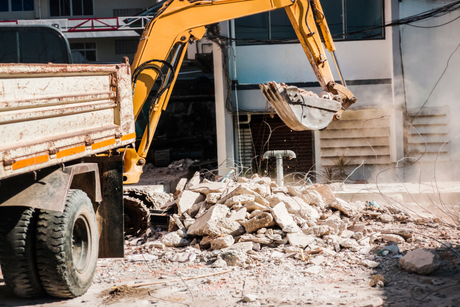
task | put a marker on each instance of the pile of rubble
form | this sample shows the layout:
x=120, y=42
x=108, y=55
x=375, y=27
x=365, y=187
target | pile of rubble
x=231, y=219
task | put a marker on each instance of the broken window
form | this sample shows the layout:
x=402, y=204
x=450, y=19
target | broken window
x=83, y=52
x=16, y=5
x=71, y=7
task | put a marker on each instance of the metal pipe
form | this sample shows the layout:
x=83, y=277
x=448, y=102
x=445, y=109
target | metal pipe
x=336, y=61
x=279, y=154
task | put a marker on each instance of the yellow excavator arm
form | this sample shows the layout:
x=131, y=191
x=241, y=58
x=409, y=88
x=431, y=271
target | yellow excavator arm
x=163, y=45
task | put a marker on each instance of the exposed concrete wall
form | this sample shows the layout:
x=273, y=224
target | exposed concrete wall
x=425, y=56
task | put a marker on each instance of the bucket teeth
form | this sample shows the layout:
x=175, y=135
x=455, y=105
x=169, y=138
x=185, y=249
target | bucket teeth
x=298, y=109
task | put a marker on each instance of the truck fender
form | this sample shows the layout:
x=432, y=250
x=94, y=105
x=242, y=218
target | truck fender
x=50, y=192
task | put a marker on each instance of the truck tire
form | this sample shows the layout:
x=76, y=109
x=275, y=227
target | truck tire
x=67, y=247
x=17, y=251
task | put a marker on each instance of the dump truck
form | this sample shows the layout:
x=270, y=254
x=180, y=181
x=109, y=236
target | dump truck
x=67, y=141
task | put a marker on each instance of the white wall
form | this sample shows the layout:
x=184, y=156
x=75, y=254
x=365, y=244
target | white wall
x=359, y=60
x=425, y=54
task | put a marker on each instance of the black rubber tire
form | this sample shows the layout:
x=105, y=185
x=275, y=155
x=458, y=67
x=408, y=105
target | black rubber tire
x=67, y=247
x=17, y=251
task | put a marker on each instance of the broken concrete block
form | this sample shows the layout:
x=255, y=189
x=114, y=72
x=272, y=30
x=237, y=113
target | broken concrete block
x=260, y=238
x=420, y=261
x=239, y=216
x=254, y=213
x=239, y=199
x=405, y=233
x=378, y=278
x=393, y=238
x=342, y=206
x=276, y=238
x=263, y=189
x=317, y=231
x=206, y=241
x=284, y=219
x=250, y=298
x=254, y=206
x=187, y=199
x=193, y=181
x=241, y=190
x=386, y=218
x=292, y=206
x=347, y=234
x=349, y=243
x=336, y=225
x=326, y=192
x=208, y=187
x=300, y=239
x=211, y=217
x=313, y=197
x=261, y=220
x=370, y=264
x=219, y=263
x=234, y=257
x=156, y=244
x=222, y=242
x=180, y=187
x=212, y=197
x=228, y=226
x=241, y=246
x=173, y=239
x=242, y=180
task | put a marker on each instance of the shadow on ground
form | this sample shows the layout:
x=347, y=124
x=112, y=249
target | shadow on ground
x=7, y=299
x=440, y=288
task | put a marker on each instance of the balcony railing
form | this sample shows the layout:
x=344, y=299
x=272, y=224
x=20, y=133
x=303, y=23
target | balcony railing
x=88, y=24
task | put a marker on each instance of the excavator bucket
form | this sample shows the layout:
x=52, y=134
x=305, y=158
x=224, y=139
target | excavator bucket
x=299, y=109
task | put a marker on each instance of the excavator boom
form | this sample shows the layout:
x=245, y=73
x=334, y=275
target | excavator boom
x=162, y=49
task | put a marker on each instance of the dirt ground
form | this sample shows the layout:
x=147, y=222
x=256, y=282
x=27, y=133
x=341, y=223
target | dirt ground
x=272, y=276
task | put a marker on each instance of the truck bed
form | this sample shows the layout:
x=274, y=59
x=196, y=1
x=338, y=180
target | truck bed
x=53, y=113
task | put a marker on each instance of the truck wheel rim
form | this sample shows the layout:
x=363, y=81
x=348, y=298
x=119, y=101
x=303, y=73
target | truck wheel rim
x=81, y=242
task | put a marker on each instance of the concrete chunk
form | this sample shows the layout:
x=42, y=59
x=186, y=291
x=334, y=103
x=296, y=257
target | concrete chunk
x=210, y=218
x=342, y=206
x=261, y=220
x=239, y=199
x=213, y=197
x=238, y=216
x=420, y=261
x=284, y=219
x=222, y=242
x=317, y=231
x=240, y=190
x=187, y=199
x=300, y=239
x=208, y=187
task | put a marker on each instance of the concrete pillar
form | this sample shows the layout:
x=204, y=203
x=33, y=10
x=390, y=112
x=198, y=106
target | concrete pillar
x=224, y=119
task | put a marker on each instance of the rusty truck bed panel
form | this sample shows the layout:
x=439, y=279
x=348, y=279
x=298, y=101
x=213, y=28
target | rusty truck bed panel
x=53, y=113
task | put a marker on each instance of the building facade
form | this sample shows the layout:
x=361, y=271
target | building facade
x=398, y=129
